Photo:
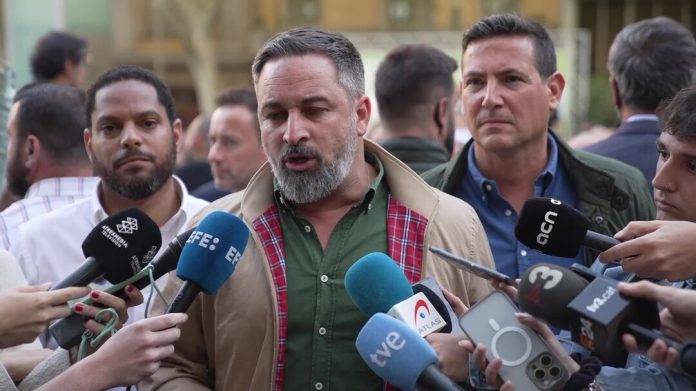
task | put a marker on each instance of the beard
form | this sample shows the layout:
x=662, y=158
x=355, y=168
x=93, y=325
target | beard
x=303, y=187
x=16, y=174
x=133, y=187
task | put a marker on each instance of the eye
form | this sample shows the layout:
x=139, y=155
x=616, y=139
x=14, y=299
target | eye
x=664, y=155
x=473, y=83
x=315, y=111
x=276, y=116
x=108, y=129
x=149, y=123
x=692, y=166
x=512, y=79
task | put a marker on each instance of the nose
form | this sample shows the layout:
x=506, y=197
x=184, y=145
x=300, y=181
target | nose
x=295, y=129
x=664, y=179
x=130, y=136
x=214, y=153
x=492, y=98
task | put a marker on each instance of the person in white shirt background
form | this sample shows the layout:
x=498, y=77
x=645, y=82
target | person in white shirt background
x=131, y=140
x=47, y=164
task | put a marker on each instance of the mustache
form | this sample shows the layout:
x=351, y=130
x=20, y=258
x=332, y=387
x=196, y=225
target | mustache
x=131, y=153
x=299, y=149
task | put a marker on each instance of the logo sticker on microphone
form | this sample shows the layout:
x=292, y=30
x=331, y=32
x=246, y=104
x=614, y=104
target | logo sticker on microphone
x=548, y=276
x=419, y=314
x=127, y=226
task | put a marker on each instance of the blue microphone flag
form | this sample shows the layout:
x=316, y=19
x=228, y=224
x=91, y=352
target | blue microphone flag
x=375, y=283
x=394, y=351
x=213, y=250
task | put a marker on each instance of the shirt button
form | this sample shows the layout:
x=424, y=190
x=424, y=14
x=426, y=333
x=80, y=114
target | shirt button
x=318, y=386
x=489, y=187
x=524, y=253
x=324, y=278
x=322, y=331
x=307, y=228
x=508, y=213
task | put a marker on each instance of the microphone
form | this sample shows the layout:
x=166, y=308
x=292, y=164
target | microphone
x=551, y=227
x=400, y=356
x=68, y=331
x=117, y=248
x=209, y=257
x=376, y=284
x=595, y=312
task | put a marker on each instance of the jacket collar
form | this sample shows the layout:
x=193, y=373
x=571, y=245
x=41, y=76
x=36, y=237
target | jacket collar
x=592, y=185
x=404, y=185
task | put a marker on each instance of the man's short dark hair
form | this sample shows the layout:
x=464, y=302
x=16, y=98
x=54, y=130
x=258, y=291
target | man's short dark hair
x=240, y=97
x=678, y=115
x=413, y=75
x=51, y=52
x=308, y=40
x=132, y=72
x=55, y=114
x=651, y=60
x=502, y=25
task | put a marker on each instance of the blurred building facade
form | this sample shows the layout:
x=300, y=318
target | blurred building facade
x=185, y=41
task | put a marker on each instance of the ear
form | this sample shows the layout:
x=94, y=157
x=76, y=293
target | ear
x=69, y=68
x=363, y=110
x=615, y=96
x=178, y=131
x=442, y=110
x=555, y=85
x=87, y=136
x=32, y=152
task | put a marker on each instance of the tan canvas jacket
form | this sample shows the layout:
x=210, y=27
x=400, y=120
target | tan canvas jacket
x=230, y=340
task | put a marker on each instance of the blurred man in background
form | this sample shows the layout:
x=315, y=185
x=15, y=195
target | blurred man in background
x=60, y=58
x=192, y=165
x=649, y=62
x=47, y=165
x=415, y=97
x=235, y=144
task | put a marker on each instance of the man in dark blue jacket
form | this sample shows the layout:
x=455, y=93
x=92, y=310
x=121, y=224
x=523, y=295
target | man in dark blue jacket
x=649, y=62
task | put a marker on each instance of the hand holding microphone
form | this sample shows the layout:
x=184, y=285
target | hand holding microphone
x=26, y=311
x=129, y=356
x=656, y=249
x=133, y=298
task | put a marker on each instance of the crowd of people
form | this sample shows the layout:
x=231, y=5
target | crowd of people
x=290, y=157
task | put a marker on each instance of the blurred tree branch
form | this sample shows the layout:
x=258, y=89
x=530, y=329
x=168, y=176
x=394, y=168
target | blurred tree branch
x=192, y=21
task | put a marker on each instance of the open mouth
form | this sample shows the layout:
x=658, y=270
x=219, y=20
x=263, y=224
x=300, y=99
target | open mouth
x=299, y=161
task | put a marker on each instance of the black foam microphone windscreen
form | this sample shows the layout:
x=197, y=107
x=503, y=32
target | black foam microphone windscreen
x=546, y=290
x=549, y=226
x=117, y=248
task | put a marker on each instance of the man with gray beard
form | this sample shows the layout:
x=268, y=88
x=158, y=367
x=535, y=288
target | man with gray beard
x=131, y=141
x=325, y=198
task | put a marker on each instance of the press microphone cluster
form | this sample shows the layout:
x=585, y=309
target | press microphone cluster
x=551, y=227
x=68, y=331
x=594, y=311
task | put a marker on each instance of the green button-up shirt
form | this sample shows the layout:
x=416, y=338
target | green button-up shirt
x=323, y=322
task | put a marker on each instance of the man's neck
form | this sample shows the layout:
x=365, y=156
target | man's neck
x=159, y=206
x=628, y=112
x=424, y=132
x=514, y=171
x=62, y=170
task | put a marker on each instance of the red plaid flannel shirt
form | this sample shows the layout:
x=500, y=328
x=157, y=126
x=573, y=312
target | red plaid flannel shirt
x=405, y=237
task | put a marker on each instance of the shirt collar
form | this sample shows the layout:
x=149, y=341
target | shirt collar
x=485, y=185
x=62, y=187
x=369, y=195
x=642, y=117
x=99, y=214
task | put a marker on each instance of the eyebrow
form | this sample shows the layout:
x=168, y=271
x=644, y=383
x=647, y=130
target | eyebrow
x=272, y=104
x=504, y=71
